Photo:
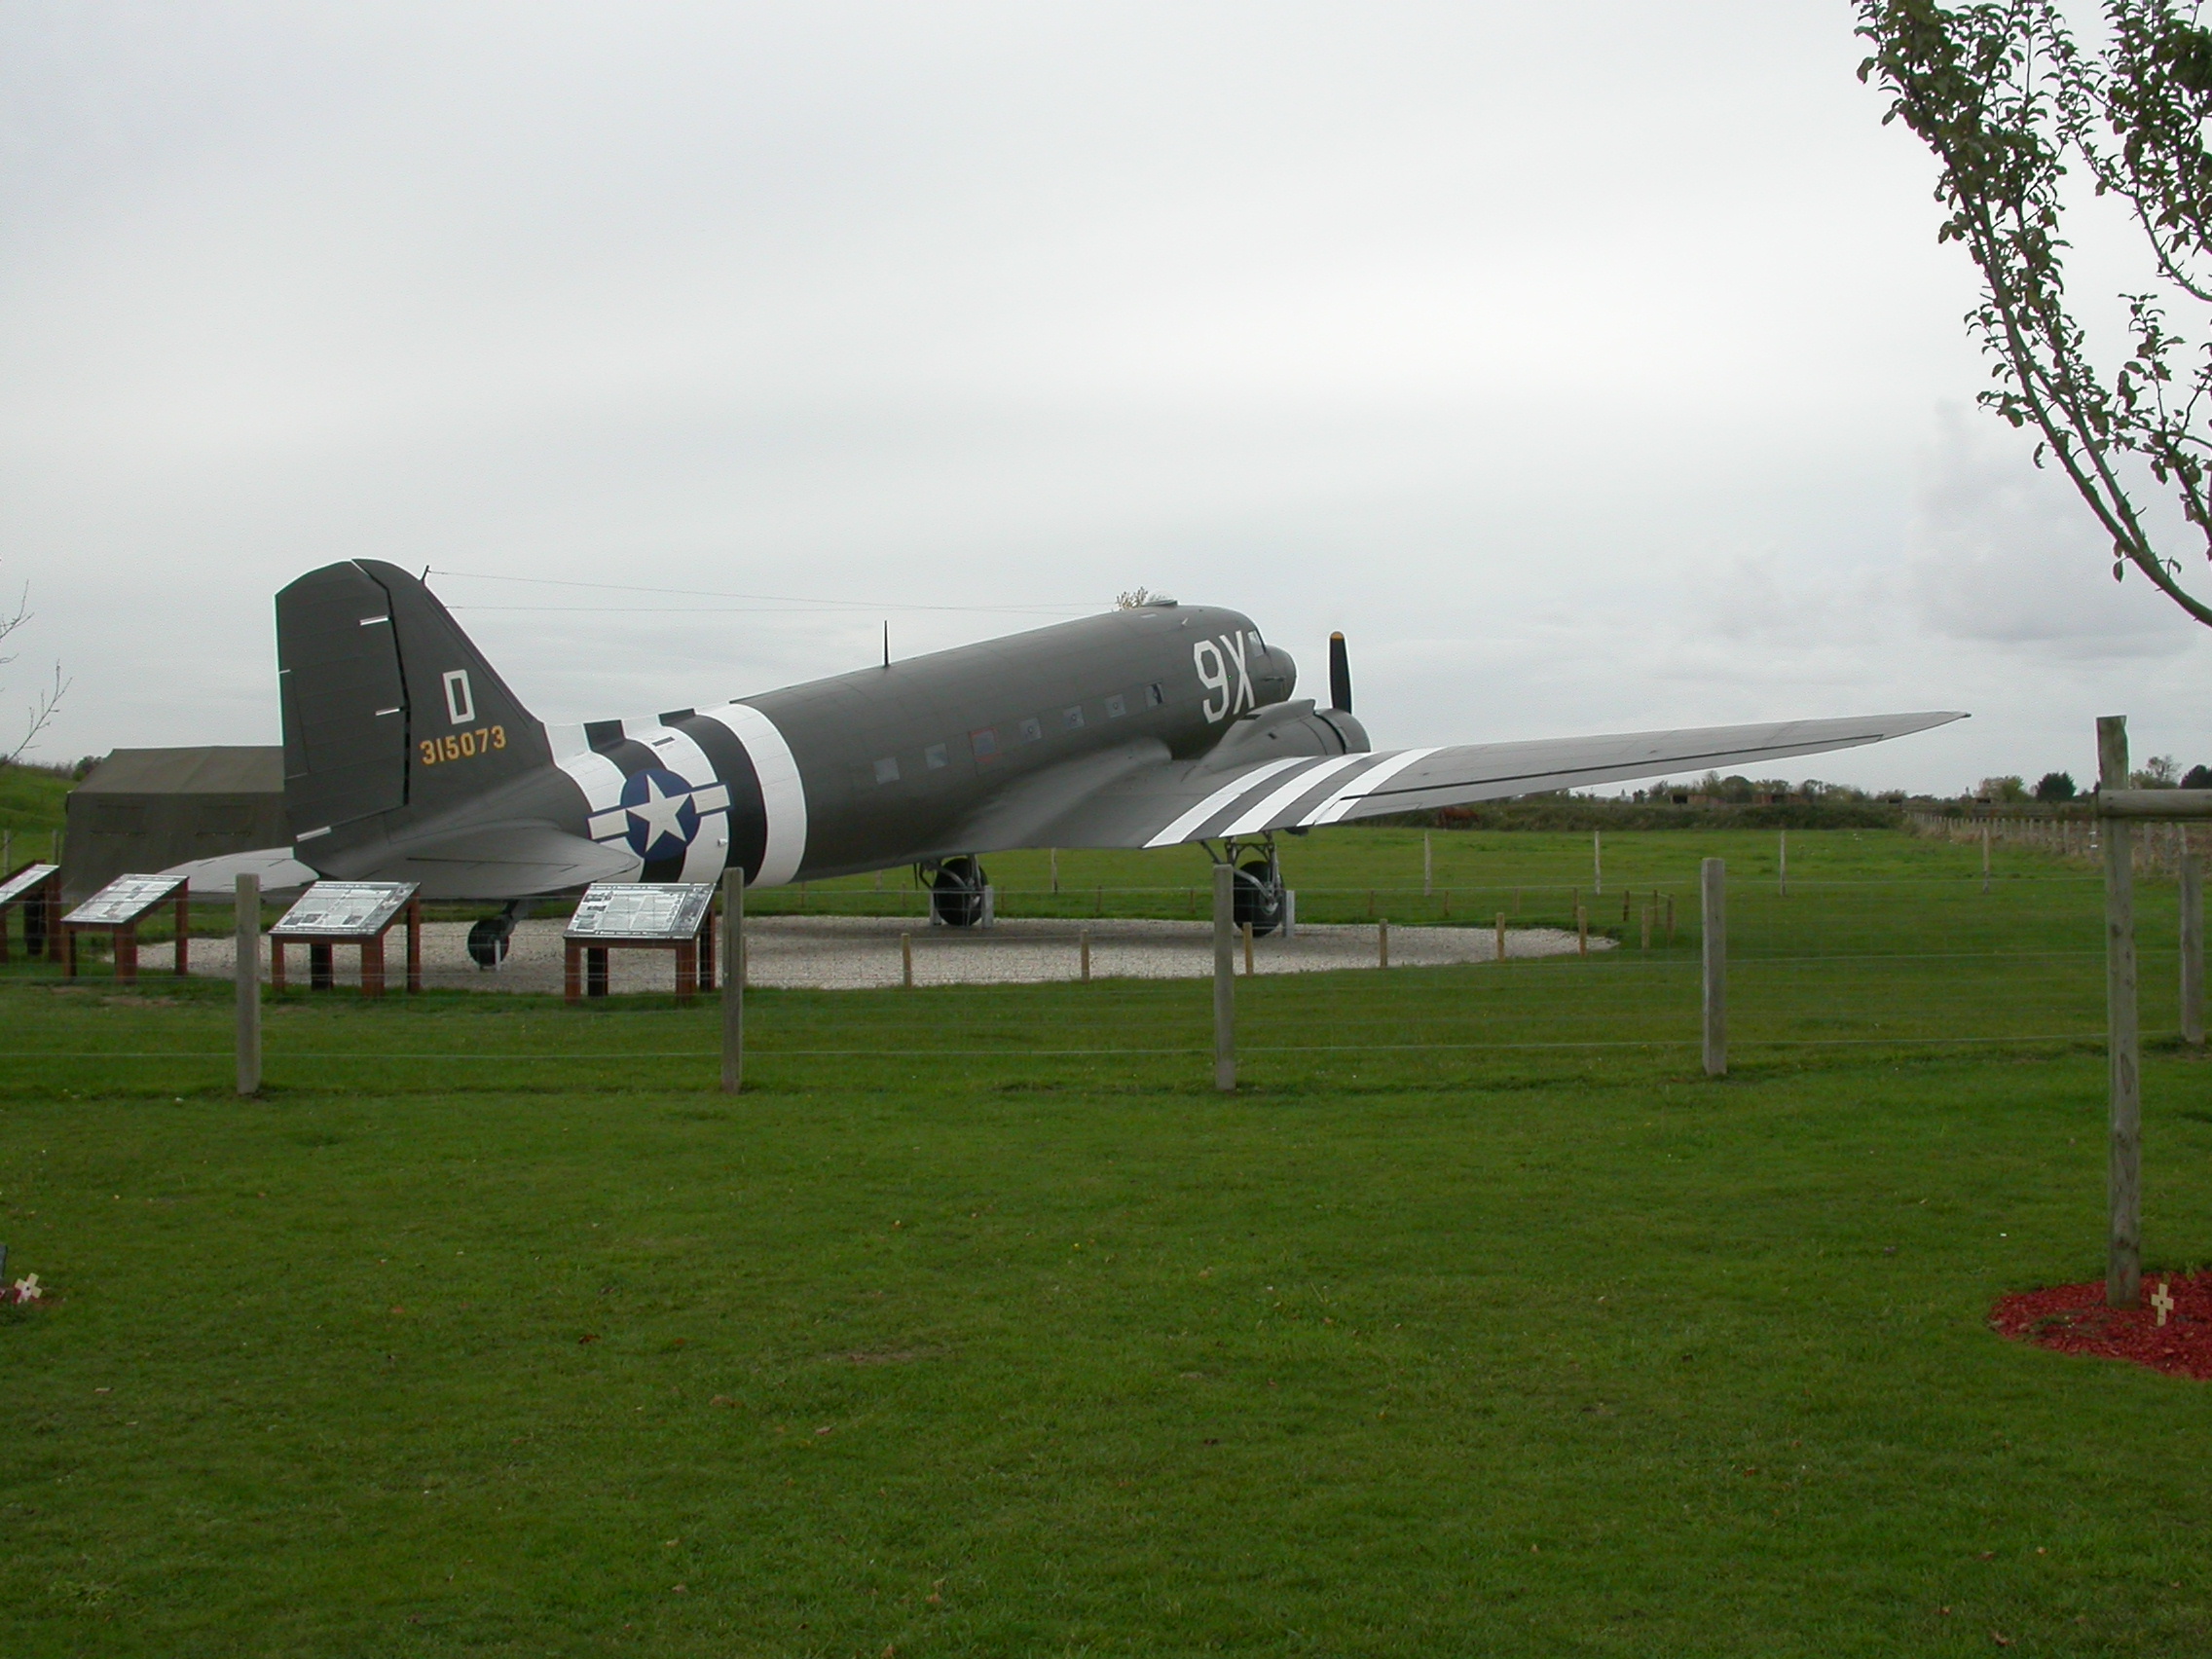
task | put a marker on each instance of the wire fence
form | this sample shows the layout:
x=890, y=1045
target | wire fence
x=1850, y=966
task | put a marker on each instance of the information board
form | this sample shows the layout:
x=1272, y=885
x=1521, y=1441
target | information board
x=124, y=900
x=612, y=912
x=24, y=880
x=345, y=909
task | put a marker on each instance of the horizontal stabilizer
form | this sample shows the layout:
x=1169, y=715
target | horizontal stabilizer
x=505, y=859
x=218, y=877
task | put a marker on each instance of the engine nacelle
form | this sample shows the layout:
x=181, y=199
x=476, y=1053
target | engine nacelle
x=1287, y=731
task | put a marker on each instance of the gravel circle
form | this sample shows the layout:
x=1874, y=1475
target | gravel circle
x=863, y=952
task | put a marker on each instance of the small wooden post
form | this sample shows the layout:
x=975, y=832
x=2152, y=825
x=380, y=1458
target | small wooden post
x=1224, y=978
x=1986, y=848
x=1428, y=867
x=1714, y=884
x=1782, y=863
x=1648, y=909
x=1083, y=948
x=372, y=967
x=1247, y=950
x=733, y=980
x=2124, y=1166
x=247, y=972
x=183, y=928
x=1053, y=854
x=1382, y=943
x=907, y=960
x=1581, y=931
x=1597, y=861
x=1670, y=918
x=2192, y=952
x=1501, y=935
x=414, y=947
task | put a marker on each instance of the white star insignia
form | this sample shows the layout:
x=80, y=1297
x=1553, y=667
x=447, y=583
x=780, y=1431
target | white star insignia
x=658, y=813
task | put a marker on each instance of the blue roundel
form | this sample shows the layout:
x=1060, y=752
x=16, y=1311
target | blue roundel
x=662, y=818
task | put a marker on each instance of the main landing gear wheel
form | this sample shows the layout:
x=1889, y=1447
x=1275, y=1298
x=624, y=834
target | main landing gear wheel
x=1257, y=894
x=956, y=893
x=488, y=939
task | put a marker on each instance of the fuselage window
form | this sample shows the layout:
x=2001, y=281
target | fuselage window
x=933, y=756
x=1115, y=707
x=887, y=770
x=1154, y=696
x=1031, y=731
x=1072, y=719
x=987, y=743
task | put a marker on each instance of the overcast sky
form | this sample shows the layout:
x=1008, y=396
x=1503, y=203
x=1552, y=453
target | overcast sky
x=1592, y=364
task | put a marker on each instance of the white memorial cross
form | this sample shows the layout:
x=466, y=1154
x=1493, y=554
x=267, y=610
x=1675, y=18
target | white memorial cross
x=2162, y=1300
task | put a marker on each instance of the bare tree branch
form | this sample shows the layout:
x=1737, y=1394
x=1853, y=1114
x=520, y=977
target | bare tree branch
x=42, y=710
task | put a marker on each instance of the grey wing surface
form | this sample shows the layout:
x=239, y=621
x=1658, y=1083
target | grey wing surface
x=1165, y=802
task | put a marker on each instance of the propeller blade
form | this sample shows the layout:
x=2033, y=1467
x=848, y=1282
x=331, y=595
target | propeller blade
x=1339, y=675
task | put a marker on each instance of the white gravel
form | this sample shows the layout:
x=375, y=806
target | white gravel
x=857, y=952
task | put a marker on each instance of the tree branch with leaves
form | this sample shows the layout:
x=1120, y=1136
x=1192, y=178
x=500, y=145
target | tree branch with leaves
x=2010, y=104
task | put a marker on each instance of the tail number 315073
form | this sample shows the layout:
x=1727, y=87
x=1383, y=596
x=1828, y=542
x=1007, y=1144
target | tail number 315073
x=463, y=744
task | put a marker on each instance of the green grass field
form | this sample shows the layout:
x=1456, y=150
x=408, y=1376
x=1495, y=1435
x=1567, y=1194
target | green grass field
x=1478, y=1322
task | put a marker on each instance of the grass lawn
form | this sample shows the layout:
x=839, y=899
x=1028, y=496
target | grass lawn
x=980, y=1325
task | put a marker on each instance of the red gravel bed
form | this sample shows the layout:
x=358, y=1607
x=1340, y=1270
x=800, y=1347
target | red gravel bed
x=2072, y=1318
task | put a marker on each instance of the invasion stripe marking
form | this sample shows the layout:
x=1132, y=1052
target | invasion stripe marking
x=1257, y=818
x=783, y=796
x=679, y=753
x=1219, y=799
x=1361, y=787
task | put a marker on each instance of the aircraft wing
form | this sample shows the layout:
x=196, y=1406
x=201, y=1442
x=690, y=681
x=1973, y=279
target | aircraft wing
x=1163, y=802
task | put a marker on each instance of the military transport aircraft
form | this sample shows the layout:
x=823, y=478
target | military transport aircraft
x=407, y=757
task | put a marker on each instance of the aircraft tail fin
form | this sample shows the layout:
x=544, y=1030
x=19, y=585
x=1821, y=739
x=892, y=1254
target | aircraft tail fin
x=387, y=706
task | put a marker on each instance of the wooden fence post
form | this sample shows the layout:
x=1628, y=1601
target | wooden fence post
x=247, y=970
x=1783, y=863
x=1712, y=880
x=1501, y=935
x=1428, y=867
x=733, y=980
x=1596, y=863
x=1224, y=978
x=2192, y=952
x=2124, y=1168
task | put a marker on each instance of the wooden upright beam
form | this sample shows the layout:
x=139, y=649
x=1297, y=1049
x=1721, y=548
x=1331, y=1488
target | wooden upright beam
x=1224, y=978
x=2192, y=952
x=1713, y=882
x=2123, y=1161
x=733, y=980
x=248, y=975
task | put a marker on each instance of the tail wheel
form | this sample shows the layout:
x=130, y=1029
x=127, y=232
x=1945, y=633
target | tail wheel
x=1258, y=896
x=956, y=893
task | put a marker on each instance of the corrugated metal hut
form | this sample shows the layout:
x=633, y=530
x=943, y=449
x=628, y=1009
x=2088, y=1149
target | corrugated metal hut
x=143, y=810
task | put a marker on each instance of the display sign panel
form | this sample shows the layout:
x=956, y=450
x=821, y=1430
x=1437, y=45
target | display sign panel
x=124, y=900
x=611, y=912
x=24, y=880
x=345, y=909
